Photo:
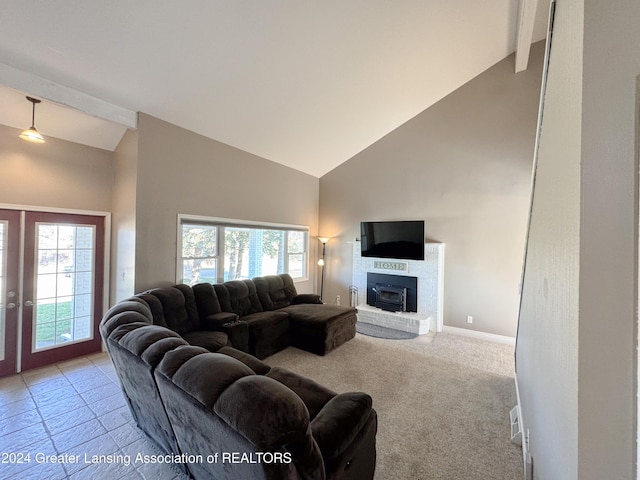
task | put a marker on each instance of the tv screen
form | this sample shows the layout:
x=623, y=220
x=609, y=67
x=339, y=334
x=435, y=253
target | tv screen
x=401, y=239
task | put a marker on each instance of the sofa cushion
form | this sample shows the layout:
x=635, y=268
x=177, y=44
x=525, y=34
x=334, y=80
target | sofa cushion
x=264, y=319
x=218, y=320
x=206, y=299
x=210, y=340
x=340, y=421
x=281, y=421
x=321, y=328
x=268, y=332
x=155, y=306
x=130, y=305
x=314, y=395
x=154, y=354
x=223, y=297
x=135, y=350
x=178, y=357
x=109, y=323
x=317, y=316
x=137, y=341
x=190, y=305
x=215, y=400
x=250, y=361
x=306, y=298
x=174, y=309
x=266, y=412
x=203, y=376
x=241, y=297
x=275, y=291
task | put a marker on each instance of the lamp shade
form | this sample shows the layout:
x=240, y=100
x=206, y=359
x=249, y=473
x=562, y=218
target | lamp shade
x=31, y=135
x=323, y=240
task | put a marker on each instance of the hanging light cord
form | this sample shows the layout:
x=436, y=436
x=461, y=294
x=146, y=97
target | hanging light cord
x=33, y=110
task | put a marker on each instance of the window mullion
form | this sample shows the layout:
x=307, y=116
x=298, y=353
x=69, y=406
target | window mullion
x=220, y=247
x=285, y=247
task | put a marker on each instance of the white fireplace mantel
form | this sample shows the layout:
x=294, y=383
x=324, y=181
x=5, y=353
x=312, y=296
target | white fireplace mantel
x=430, y=273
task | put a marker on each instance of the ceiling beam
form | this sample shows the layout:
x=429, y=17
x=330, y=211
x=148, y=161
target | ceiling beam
x=54, y=92
x=526, y=20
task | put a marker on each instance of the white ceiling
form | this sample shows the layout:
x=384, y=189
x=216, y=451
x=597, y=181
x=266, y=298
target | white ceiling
x=54, y=120
x=304, y=83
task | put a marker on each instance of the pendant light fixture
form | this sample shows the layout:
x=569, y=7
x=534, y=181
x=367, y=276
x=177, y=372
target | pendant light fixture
x=31, y=134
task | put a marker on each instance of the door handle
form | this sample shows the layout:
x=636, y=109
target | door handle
x=28, y=303
x=12, y=305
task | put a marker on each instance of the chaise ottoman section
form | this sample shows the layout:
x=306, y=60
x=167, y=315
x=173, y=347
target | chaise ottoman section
x=268, y=332
x=320, y=328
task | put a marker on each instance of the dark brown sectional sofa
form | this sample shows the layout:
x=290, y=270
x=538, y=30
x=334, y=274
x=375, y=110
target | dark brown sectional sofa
x=260, y=316
x=195, y=395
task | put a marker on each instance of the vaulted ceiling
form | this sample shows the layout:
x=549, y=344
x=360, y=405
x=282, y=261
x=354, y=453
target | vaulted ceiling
x=304, y=83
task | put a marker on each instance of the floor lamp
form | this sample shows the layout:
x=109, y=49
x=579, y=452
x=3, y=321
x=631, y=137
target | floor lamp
x=324, y=241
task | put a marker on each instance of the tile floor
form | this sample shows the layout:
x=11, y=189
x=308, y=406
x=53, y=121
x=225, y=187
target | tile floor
x=63, y=412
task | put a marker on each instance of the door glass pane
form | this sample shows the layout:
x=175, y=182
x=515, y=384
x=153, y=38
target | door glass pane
x=3, y=283
x=64, y=284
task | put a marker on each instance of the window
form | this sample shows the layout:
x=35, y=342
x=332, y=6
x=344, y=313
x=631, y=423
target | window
x=218, y=250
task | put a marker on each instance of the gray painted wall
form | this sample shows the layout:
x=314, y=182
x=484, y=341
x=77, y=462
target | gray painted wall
x=123, y=218
x=464, y=166
x=57, y=174
x=609, y=218
x=578, y=328
x=547, y=353
x=182, y=172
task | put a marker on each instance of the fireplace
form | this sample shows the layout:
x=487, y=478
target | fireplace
x=390, y=298
x=393, y=293
x=427, y=312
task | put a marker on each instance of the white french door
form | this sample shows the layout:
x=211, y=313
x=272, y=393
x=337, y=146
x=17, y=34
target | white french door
x=9, y=255
x=52, y=288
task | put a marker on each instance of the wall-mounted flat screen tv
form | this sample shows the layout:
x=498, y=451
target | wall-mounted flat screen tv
x=400, y=239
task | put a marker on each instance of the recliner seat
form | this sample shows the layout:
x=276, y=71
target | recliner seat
x=190, y=400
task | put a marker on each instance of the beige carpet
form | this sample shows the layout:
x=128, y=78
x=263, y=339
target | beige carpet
x=443, y=403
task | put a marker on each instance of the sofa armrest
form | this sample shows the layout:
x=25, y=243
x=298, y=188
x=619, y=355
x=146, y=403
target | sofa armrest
x=280, y=419
x=339, y=422
x=237, y=333
x=305, y=298
x=273, y=418
x=217, y=320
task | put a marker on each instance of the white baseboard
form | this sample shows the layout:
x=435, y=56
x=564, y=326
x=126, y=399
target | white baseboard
x=491, y=337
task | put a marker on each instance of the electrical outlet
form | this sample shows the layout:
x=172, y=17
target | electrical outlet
x=469, y=319
x=337, y=299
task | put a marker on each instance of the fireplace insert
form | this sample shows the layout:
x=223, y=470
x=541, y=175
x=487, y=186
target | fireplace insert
x=391, y=298
x=394, y=293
